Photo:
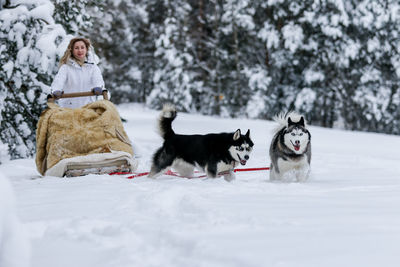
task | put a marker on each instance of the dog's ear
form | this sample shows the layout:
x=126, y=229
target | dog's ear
x=248, y=133
x=236, y=135
x=301, y=121
x=290, y=122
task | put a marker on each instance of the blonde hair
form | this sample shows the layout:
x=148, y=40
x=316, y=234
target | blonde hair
x=68, y=53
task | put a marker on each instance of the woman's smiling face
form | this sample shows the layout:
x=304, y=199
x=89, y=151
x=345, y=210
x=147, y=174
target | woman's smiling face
x=79, y=51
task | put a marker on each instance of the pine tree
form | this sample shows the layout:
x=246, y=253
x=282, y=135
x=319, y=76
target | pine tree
x=30, y=41
x=375, y=71
x=174, y=80
x=238, y=61
x=73, y=15
x=126, y=50
x=281, y=40
x=323, y=61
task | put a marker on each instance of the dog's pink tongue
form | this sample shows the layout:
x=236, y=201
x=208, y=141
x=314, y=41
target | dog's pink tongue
x=243, y=162
x=297, y=148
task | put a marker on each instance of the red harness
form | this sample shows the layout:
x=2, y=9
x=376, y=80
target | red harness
x=171, y=173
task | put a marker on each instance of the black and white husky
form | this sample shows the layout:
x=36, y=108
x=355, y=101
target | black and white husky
x=212, y=153
x=290, y=150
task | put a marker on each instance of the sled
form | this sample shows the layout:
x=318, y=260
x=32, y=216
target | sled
x=82, y=141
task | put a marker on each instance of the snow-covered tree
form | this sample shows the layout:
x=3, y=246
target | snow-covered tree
x=73, y=15
x=236, y=58
x=335, y=61
x=375, y=72
x=324, y=58
x=30, y=43
x=125, y=46
x=174, y=80
x=282, y=44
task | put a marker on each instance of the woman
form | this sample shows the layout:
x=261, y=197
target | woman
x=77, y=73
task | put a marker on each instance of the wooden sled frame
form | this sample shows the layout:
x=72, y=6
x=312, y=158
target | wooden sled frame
x=51, y=98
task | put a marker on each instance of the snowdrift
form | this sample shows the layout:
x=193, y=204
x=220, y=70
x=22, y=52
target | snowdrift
x=90, y=139
x=14, y=243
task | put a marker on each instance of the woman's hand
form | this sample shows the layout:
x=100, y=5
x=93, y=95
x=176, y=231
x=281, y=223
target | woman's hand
x=57, y=94
x=97, y=90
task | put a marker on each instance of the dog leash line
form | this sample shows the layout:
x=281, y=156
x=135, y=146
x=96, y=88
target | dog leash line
x=251, y=169
x=175, y=174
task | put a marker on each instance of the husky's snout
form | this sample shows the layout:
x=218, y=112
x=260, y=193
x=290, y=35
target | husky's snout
x=296, y=145
x=243, y=160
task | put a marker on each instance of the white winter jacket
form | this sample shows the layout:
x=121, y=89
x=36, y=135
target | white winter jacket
x=72, y=78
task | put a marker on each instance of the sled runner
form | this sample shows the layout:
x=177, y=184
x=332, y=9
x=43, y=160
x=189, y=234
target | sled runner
x=81, y=141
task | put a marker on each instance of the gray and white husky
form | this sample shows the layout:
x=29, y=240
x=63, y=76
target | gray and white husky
x=290, y=150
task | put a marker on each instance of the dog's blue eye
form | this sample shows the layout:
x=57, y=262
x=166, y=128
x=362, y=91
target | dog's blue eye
x=301, y=134
x=293, y=134
x=240, y=148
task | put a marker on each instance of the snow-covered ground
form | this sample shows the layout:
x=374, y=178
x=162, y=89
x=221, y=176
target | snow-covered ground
x=346, y=214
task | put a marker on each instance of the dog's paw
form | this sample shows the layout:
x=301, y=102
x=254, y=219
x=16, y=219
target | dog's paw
x=303, y=174
x=230, y=177
x=153, y=174
x=211, y=175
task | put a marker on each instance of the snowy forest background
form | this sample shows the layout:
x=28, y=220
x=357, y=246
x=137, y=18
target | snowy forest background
x=335, y=61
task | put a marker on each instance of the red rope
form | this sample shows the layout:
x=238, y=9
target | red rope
x=137, y=175
x=251, y=169
x=169, y=172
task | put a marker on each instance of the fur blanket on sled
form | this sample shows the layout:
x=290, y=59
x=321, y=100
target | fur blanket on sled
x=65, y=133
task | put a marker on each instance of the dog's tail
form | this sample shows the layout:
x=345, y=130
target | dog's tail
x=168, y=114
x=282, y=119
